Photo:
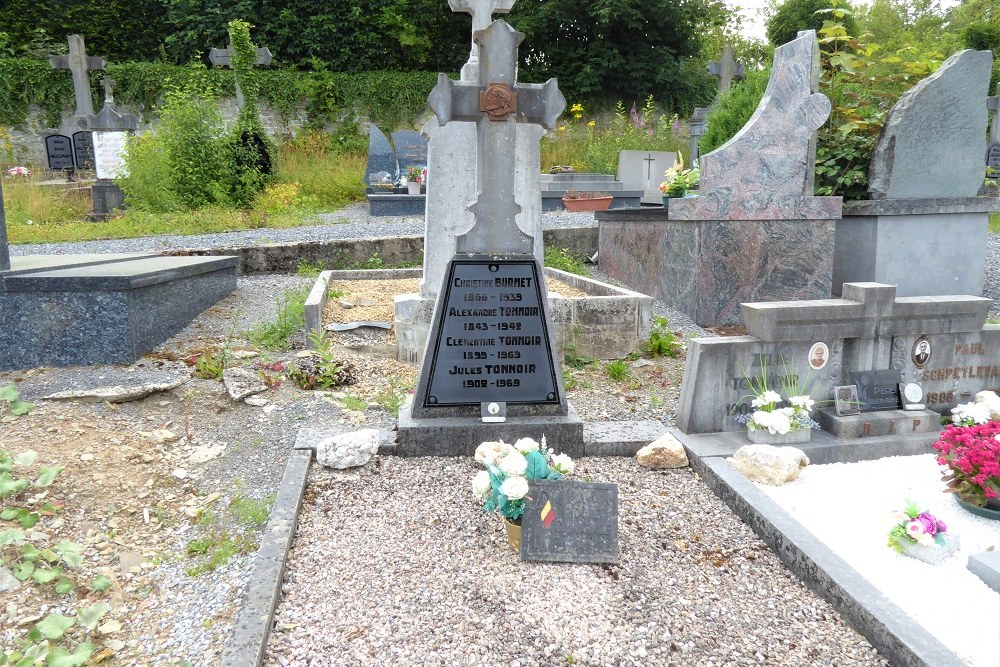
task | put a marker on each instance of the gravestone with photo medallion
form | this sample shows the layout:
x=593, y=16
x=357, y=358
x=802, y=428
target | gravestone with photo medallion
x=570, y=522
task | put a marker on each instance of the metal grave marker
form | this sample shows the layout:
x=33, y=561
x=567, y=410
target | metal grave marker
x=570, y=522
x=494, y=342
x=83, y=149
x=59, y=152
x=79, y=63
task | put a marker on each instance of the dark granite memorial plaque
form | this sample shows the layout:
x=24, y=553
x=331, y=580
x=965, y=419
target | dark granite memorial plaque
x=411, y=149
x=59, y=151
x=573, y=522
x=83, y=150
x=877, y=390
x=493, y=342
x=993, y=157
x=380, y=155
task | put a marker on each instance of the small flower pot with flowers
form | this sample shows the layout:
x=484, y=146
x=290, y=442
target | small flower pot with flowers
x=970, y=448
x=920, y=534
x=503, y=486
x=774, y=421
x=416, y=177
x=678, y=180
x=14, y=172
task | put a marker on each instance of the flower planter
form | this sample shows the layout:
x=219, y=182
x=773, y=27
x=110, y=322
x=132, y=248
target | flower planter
x=513, y=534
x=762, y=436
x=413, y=188
x=991, y=511
x=588, y=203
x=935, y=554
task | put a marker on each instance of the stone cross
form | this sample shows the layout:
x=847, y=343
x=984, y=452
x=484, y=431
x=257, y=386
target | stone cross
x=726, y=69
x=482, y=12
x=993, y=104
x=224, y=58
x=497, y=107
x=78, y=62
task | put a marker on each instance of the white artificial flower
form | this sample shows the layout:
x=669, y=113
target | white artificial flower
x=762, y=419
x=899, y=517
x=767, y=398
x=526, y=445
x=514, y=464
x=788, y=412
x=490, y=453
x=481, y=484
x=563, y=463
x=978, y=412
x=927, y=540
x=779, y=423
x=514, y=488
x=801, y=402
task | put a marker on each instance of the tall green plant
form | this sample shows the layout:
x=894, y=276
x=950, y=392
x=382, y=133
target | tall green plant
x=251, y=152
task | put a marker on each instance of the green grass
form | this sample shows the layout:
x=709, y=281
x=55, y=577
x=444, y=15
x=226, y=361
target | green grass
x=559, y=258
x=252, y=513
x=617, y=370
x=291, y=317
x=995, y=223
x=354, y=403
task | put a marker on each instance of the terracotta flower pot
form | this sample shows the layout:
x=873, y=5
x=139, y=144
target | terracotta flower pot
x=588, y=203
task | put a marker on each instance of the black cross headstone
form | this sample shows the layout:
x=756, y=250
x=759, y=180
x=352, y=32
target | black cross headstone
x=78, y=62
x=224, y=58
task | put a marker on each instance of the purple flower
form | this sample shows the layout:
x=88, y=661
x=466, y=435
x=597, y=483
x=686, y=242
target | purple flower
x=636, y=121
x=930, y=523
x=942, y=528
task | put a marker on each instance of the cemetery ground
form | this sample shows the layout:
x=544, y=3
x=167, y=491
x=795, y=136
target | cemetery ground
x=169, y=495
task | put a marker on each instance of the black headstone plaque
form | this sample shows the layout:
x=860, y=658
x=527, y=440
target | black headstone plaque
x=877, y=390
x=381, y=158
x=83, y=149
x=493, y=342
x=573, y=522
x=411, y=149
x=993, y=157
x=59, y=151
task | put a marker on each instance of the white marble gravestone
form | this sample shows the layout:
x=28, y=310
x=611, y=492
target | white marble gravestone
x=643, y=170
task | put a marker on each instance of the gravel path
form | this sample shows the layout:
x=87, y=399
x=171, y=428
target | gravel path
x=948, y=600
x=394, y=564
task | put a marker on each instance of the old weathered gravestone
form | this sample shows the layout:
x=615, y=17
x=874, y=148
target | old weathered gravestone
x=381, y=158
x=110, y=130
x=59, y=152
x=79, y=63
x=224, y=58
x=83, y=149
x=934, y=136
x=491, y=337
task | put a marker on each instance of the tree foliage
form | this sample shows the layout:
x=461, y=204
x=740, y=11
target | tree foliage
x=620, y=49
x=795, y=15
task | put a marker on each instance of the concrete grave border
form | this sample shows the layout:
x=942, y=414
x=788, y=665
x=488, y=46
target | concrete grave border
x=890, y=630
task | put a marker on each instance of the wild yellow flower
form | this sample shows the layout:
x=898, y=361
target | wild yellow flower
x=592, y=124
x=577, y=111
x=562, y=128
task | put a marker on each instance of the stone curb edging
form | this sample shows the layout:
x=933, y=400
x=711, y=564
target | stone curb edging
x=889, y=629
x=253, y=626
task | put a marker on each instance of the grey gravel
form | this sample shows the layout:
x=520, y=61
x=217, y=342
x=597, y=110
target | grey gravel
x=394, y=564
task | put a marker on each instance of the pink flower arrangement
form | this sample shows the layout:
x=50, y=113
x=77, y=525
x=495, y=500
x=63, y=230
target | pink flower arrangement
x=972, y=455
x=18, y=171
x=913, y=526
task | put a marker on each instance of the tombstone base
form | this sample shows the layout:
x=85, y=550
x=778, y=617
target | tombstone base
x=401, y=204
x=707, y=268
x=67, y=310
x=107, y=198
x=459, y=436
x=884, y=240
x=881, y=423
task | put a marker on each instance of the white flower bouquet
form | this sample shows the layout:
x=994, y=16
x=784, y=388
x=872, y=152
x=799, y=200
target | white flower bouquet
x=503, y=486
x=771, y=413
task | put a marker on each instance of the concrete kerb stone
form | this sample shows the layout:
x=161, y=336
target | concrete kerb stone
x=890, y=630
x=253, y=627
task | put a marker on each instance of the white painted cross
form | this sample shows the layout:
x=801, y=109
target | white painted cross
x=482, y=12
x=78, y=63
x=224, y=58
x=496, y=108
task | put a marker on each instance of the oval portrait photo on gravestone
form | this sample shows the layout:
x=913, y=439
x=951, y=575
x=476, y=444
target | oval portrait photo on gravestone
x=921, y=352
x=819, y=354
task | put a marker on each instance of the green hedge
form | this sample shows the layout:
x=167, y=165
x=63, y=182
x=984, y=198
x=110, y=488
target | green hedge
x=389, y=99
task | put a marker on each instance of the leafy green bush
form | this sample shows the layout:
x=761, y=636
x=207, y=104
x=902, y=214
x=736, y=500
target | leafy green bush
x=662, y=341
x=559, y=258
x=733, y=110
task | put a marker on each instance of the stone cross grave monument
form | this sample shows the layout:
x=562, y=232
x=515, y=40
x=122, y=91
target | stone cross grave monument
x=726, y=69
x=224, y=58
x=110, y=130
x=482, y=12
x=79, y=63
x=489, y=370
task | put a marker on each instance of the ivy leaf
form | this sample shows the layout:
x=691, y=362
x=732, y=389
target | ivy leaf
x=54, y=626
x=23, y=571
x=8, y=513
x=19, y=407
x=8, y=393
x=29, y=552
x=27, y=519
x=60, y=657
x=47, y=575
x=89, y=617
x=48, y=476
x=25, y=458
x=64, y=586
x=101, y=583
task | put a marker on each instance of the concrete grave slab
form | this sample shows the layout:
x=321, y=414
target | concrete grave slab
x=986, y=566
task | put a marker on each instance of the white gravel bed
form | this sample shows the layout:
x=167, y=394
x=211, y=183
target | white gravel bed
x=853, y=520
x=395, y=564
